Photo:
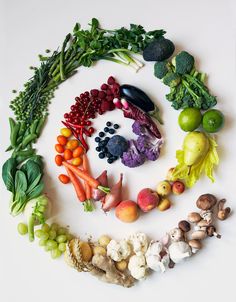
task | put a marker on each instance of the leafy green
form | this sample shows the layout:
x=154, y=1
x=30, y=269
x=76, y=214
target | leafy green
x=190, y=174
x=81, y=48
x=8, y=174
x=190, y=91
x=36, y=191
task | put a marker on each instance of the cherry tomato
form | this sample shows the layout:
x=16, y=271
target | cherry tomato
x=62, y=140
x=66, y=132
x=77, y=161
x=72, y=144
x=78, y=151
x=64, y=178
x=58, y=160
x=59, y=148
x=68, y=154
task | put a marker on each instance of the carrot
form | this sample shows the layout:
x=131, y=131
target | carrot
x=88, y=192
x=77, y=185
x=84, y=175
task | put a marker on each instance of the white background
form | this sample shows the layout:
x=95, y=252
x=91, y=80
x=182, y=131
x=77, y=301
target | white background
x=204, y=28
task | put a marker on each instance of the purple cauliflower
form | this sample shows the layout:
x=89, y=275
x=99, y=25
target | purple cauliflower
x=149, y=147
x=147, y=143
x=132, y=157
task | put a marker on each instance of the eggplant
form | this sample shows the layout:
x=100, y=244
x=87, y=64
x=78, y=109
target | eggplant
x=139, y=98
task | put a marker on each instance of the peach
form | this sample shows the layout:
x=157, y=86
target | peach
x=127, y=211
x=147, y=199
x=178, y=187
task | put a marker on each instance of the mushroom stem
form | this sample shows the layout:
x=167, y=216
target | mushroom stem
x=223, y=213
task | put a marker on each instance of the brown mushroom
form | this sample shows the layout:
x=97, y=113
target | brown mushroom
x=223, y=213
x=194, y=217
x=211, y=231
x=184, y=225
x=195, y=245
x=206, y=202
x=203, y=223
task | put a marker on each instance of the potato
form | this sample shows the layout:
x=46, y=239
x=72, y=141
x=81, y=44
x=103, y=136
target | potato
x=104, y=240
x=121, y=265
x=99, y=250
x=86, y=251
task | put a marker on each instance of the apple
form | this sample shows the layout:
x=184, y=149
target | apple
x=178, y=187
x=164, y=188
x=127, y=211
x=147, y=199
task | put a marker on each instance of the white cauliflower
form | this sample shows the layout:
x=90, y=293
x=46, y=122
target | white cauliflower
x=137, y=267
x=139, y=242
x=118, y=251
x=157, y=257
x=179, y=251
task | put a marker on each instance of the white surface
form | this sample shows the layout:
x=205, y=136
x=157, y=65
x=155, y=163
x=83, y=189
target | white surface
x=206, y=29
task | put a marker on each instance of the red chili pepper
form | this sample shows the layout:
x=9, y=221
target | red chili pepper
x=83, y=142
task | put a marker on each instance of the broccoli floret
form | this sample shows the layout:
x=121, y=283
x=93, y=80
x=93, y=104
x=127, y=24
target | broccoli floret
x=183, y=62
x=161, y=69
x=117, y=145
x=171, y=79
x=132, y=157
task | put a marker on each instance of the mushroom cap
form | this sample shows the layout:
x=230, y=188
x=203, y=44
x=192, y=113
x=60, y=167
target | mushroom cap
x=196, y=244
x=184, y=225
x=194, y=217
x=199, y=235
x=206, y=201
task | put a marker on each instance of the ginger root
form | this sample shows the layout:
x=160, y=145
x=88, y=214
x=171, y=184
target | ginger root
x=105, y=270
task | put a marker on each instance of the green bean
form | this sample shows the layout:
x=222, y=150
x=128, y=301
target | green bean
x=40, y=126
x=33, y=127
x=25, y=153
x=29, y=138
x=22, y=128
x=14, y=133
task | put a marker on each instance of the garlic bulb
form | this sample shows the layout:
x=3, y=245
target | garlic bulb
x=179, y=251
x=157, y=257
x=137, y=267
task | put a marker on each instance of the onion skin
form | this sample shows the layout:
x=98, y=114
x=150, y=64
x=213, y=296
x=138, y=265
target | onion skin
x=96, y=193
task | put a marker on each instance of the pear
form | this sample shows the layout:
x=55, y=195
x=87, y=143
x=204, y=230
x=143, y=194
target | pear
x=195, y=147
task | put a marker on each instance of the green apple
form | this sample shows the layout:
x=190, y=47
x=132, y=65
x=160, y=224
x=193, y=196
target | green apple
x=163, y=188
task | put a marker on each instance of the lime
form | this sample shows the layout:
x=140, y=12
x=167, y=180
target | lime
x=212, y=121
x=190, y=119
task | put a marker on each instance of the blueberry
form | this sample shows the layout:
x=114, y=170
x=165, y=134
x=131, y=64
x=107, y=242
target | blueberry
x=108, y=124
x=101, y=134
x=104, y=149
x=106, y=129
x=97, y=139
x=98, y=149
x=107, y=139
x=114, y=157
x=116, y=126
x=110, y=160
x=101, y=155
x=111, y=131
x=102, y=143
x=109, y=155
